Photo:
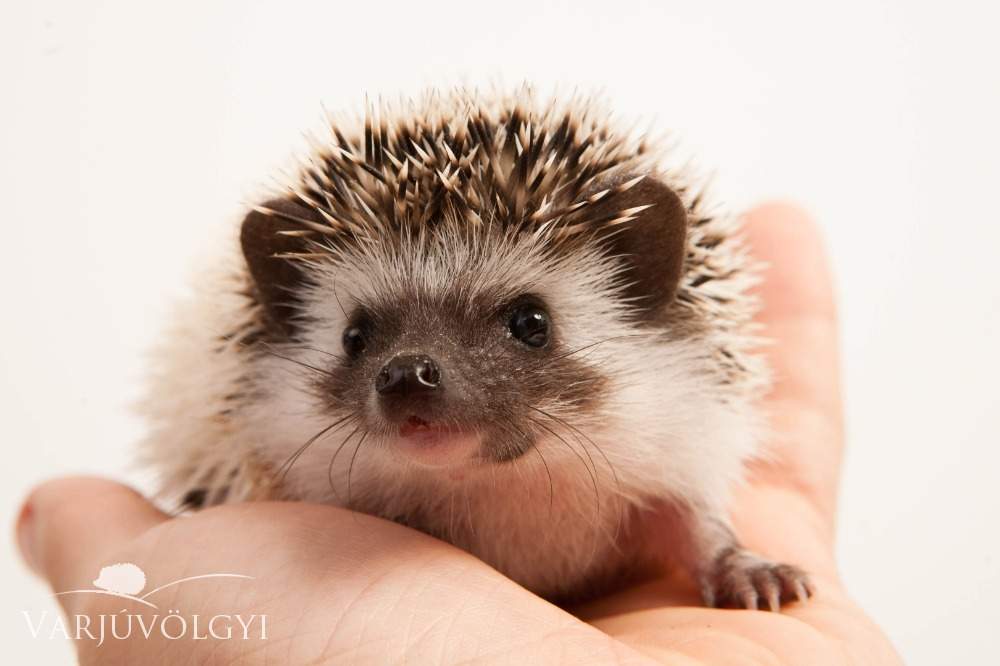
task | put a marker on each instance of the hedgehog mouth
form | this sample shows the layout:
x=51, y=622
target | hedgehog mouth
x=416, y=426
x=435, y=444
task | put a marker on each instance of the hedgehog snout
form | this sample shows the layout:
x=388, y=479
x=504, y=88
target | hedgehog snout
x=409, y=374
x=411, y=384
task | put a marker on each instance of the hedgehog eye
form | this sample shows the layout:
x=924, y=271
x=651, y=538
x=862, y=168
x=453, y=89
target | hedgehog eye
x=354, y=341
x=530, y=325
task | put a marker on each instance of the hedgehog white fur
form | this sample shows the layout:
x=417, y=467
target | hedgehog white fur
x=428, y=214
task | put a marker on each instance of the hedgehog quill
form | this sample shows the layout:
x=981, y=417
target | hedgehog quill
x=496, y=319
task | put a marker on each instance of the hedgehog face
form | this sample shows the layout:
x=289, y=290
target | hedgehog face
x=441, y=380
x=444, y=365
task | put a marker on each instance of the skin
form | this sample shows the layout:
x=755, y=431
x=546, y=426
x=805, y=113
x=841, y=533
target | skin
x=343, y=587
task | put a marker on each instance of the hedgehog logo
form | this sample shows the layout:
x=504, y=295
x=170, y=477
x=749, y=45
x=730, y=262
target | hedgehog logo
x=127, y=580
x=124, y=578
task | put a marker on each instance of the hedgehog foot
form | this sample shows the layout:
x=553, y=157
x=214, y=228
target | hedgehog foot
x=738, y=578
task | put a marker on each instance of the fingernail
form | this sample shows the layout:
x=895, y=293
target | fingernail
x=26, y=536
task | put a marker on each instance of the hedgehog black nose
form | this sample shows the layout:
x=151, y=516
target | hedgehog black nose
x=406, y=374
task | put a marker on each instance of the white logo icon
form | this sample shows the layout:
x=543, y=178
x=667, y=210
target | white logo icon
x=127, y=580
x=124, y=578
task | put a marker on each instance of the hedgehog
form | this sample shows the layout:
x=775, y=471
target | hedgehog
x=497, y=318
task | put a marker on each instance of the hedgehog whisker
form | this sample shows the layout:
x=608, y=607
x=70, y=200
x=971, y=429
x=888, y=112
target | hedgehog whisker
x=565, y=425
x=607, y=461
x=590, y=472
x=319, y=351
x=350, y=468
x=571, y=429
x=287, y=465
x=339, y=304
x=468, y=513
x=559, y=357
x=267, y=350
x=333, y=460
x=548, y=472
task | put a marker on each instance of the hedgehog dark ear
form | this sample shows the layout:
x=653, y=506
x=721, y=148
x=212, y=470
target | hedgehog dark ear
x=653, y=244
x=276, y=278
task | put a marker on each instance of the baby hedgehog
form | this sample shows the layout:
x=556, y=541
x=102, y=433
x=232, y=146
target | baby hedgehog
x=497, y=320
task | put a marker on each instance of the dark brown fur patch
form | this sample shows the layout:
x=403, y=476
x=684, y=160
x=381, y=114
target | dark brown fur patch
x=491, y=382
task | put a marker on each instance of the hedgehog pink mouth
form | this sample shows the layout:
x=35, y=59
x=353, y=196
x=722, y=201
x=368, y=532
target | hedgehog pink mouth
x=415, y=426
x=435, y=445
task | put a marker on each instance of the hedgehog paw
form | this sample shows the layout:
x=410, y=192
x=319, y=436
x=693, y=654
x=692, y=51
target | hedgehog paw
x=740, y=579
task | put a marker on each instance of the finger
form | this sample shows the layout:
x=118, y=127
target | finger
x=798, y=314
x=67, y=527
x=797, y=305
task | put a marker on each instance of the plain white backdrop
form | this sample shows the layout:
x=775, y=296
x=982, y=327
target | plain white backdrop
x=131, y=133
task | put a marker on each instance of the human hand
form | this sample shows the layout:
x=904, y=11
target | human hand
x=343, y=587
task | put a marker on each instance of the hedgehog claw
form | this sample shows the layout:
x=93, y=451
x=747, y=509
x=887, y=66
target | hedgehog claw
x=740, y=579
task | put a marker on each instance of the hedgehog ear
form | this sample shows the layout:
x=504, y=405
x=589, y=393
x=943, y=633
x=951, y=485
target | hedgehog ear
x=266, y=242
x=653, y=244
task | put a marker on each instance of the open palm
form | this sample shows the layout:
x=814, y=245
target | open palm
x=348, y=588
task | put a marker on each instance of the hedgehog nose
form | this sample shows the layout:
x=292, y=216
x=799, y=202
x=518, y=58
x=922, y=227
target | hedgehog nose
x=408, y=374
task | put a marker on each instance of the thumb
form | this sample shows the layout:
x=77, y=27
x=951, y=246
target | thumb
x=67, y=528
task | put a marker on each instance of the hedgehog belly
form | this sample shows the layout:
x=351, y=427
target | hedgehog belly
x=569, y=548
x=571, y=569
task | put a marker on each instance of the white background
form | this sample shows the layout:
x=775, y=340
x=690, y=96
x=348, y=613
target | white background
x=131, y=133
